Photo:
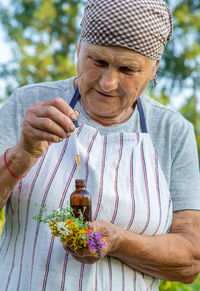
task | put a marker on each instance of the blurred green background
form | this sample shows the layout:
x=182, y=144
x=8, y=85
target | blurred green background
x=43, y=37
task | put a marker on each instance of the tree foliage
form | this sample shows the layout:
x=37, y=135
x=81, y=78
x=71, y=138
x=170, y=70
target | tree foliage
x=181, y=59
x=43, y=35
x=180, y=66
x=176, y=286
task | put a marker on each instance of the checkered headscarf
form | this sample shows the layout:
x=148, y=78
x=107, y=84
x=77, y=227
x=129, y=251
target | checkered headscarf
x=144, y=26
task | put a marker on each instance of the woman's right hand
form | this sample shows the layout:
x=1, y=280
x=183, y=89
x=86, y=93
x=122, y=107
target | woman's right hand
x=46, y=123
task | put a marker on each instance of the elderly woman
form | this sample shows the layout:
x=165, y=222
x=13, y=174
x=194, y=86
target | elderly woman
x=138, y=158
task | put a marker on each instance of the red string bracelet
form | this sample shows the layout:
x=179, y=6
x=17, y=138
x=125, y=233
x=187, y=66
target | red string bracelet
x=8, y=167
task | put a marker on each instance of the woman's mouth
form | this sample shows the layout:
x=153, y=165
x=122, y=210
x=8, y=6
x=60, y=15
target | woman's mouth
x=105, y=94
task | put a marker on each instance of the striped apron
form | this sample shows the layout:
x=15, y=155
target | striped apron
x=128, y=189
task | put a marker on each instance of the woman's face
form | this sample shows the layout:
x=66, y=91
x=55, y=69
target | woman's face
x=110, y=79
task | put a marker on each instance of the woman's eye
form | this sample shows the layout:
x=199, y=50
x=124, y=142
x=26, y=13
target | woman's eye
x=127, y=70
x=100, y=63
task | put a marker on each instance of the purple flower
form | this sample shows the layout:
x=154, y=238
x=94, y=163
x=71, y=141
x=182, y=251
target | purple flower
x=95, y=243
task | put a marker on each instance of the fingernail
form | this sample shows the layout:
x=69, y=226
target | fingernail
x=73, y=116
x=72, y=127
x=77, y=112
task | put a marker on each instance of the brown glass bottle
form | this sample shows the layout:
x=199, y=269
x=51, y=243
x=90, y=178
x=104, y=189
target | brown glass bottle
x=80, y=199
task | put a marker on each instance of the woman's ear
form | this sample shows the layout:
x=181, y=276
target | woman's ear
x=79, y=48
x=154, y=69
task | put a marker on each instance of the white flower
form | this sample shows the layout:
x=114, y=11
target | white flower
x=62, y=228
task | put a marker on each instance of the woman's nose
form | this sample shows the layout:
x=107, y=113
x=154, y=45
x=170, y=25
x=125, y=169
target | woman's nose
x=109, y=80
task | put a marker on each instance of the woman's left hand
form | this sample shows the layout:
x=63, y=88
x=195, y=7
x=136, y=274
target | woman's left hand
x=174, y=256
x=108, y=231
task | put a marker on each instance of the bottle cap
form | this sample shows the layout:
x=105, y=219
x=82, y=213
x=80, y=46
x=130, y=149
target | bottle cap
x=80, y=182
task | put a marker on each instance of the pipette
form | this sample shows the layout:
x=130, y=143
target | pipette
x=77, y=156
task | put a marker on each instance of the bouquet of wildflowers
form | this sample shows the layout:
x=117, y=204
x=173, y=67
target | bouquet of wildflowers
x=72, y=231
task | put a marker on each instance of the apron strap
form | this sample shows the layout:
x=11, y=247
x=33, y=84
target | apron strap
x=74, y=99
x=139, y=104
x=142, y=117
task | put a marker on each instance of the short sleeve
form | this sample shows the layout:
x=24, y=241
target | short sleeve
x=11, y=121
x=185, y=176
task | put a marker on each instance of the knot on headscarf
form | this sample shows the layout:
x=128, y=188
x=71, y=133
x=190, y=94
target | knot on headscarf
x=144, y=26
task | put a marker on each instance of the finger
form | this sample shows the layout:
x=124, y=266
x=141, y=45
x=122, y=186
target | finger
x=63, y=107
x=48, y=125
x=77, y=113
x=66, y=247
x=69, y=248
x=82, y=255
x=85, y=260
x=49, y=113
x=83, y=252
x=91, y=226
x=41, y=135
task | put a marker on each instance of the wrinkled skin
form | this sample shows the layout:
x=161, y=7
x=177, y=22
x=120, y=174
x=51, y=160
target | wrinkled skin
x=45, y=123
x=110, y=80
x=173, y=257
